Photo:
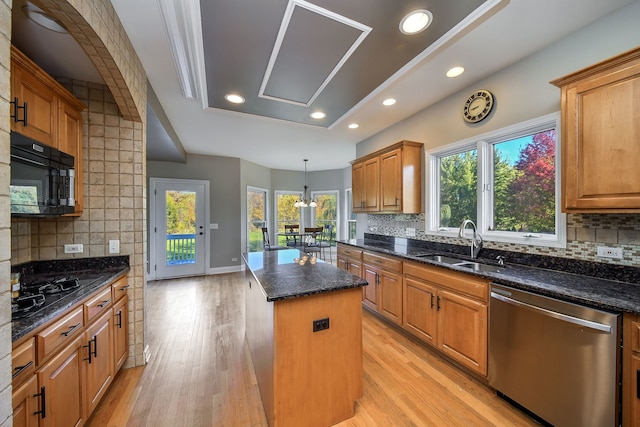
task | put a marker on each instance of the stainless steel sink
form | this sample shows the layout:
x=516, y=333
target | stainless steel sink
x=472, y=265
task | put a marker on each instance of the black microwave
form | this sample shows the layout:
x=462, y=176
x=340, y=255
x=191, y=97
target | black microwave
x=42, y=179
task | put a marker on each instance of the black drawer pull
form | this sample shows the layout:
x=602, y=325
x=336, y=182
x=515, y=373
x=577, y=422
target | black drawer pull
x=431, y=300
x=43, y=403
x=124, y=288
x=119, y=315
x=71, y=330
x=20, y=369
x=93, y=353
x=638, y=384
x=104, y=303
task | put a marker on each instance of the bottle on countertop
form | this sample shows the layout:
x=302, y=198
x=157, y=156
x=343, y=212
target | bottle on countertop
x=15, y=285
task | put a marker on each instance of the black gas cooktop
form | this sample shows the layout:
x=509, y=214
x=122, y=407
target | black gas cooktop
x=40, y=293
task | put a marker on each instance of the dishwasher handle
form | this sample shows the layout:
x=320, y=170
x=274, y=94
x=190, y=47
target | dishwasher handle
x=550, y=313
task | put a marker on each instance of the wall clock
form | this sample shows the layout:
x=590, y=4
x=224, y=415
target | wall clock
x=478, y=106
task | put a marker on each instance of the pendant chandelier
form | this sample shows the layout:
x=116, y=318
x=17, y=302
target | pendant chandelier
x=305, y=201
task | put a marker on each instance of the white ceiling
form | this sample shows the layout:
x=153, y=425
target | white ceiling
x=498, y=34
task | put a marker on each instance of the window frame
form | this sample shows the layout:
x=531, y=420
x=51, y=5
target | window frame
x=265, y=193
x=483, y=144
x=336, y=193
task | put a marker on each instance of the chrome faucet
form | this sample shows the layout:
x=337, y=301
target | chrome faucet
x=476, y=240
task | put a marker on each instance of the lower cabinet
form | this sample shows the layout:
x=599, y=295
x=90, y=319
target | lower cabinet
x=350, y=259
x=631, y=370
x=60, y=382
x=98, y=360
x=384, y=292
x=26, y=403
x=63, y=370
x=448, y=310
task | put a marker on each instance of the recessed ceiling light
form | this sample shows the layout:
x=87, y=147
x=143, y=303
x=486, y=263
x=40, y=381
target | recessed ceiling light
x=354, y=126
x=233, y=98
x=389, y=101
x=318, y=115
x=41, y=18
x=416, y=21
x=455, y=71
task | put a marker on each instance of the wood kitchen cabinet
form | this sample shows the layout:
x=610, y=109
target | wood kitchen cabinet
x=61, y=379
x=70, y=362
x=631, y=370
x=350, y=259
x=44, y=110
x=448, y=310
x=365, y=177
x=384, y=292
x=389, y=180
x=600, y=128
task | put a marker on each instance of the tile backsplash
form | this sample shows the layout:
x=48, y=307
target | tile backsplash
x=585, y=232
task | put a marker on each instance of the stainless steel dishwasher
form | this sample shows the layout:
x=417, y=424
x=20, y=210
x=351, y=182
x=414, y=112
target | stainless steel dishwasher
x=557, y=359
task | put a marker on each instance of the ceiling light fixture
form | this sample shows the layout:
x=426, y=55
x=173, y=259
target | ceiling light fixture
x=455, y=71
x=40, y=17
x=303, y=202
x=318, y=115
x=416, y=21
x=388, y=102
x=234, y=99
x=354, y=126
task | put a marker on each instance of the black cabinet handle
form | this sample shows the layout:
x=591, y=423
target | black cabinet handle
x=16, y=109
x=438, y=308
x=104, y=303
x=43, y=403
x=638, y=384
x=93, y=353
x=124, y=288
x=71, y=329
x=431, y=300
x=20, y=369
x=119, y=315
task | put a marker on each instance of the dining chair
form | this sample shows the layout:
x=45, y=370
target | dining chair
x=266, y=243
x=291, y=234
x=327, y=242
x=312, y=239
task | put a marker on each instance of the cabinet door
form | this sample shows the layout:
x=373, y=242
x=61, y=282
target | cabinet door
x=357, y=187
x=391, y=181
x=61, y=379
x=419, y=314
x=372, y=185
x=41, y=106
x=370, y=292
x=70, y=141
x=390, y=303
x=633, y=376
x=355, y=268
x=120, y=333
x=97, y=351
x=26, y=403
x=462, y=330
x=600, y=147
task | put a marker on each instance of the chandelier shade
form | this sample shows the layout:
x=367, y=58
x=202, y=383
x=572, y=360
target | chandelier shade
x=305, y=201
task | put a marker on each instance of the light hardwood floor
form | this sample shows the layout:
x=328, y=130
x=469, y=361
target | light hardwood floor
x=200, y=371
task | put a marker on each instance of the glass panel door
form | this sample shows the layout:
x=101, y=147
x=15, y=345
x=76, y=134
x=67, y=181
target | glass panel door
x=256, y=218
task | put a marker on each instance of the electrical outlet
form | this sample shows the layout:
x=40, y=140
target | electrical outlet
x=114, y=246
x=410, y=232
x=321, y=324
x=74, y=249
x=607, y=252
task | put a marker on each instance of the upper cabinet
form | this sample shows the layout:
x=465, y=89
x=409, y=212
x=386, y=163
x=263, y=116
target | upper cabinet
x=389, y=180
x=600, y=136
x=44, y=110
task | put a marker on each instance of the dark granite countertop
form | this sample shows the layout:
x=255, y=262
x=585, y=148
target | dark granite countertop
x=550, y=276
x=93, y=273
x=281, y=278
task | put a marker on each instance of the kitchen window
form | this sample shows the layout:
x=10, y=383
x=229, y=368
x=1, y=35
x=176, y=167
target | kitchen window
x=286, y=213
x=506, y=181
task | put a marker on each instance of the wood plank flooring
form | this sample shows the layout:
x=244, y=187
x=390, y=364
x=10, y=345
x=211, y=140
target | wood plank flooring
x=200, y=371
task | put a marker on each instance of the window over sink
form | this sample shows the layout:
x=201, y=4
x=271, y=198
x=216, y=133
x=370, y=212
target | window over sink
x=506, y=181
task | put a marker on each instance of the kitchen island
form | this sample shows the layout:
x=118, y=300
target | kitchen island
x=304, y=330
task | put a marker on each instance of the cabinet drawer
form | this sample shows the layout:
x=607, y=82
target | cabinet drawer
x=97, y=305
x=23, y=361
x=453, y=280
x=59, y=333
x=382, y=262
x=119, y=289
x=354, y=254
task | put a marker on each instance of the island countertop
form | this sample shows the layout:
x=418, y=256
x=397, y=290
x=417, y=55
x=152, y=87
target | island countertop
x=282, y=278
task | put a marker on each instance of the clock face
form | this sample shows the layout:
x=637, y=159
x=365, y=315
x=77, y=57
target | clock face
x=478, y=106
